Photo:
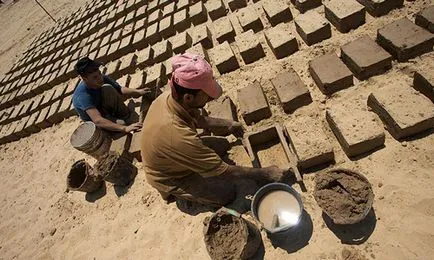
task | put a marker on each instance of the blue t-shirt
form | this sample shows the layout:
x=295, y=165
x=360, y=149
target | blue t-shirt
x=85, y=98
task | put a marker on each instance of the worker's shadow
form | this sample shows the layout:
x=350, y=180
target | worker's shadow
x=296, y=238
x=355, y=234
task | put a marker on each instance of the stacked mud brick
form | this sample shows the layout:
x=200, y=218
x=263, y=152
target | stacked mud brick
x=136, y=39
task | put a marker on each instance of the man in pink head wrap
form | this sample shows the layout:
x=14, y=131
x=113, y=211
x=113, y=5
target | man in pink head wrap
x=176, y=161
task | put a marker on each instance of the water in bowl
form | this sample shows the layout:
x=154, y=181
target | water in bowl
x=278, y=208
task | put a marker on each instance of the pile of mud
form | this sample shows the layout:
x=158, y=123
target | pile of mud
x=345, y=196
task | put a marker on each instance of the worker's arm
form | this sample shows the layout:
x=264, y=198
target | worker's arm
x=134, y=93
x=267, y=174
x=217, y=124
x=106, y=124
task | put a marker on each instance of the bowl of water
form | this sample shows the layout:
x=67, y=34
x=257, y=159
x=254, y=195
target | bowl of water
x=278, y=207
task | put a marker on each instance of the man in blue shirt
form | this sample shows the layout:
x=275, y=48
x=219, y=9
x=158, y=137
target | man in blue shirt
x=100, y=99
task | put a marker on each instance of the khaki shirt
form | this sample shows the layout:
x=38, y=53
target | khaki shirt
x=171, y=148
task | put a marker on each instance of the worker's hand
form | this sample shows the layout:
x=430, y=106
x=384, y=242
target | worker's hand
x=136, y=127
x=274, y=173
x=236, y=129
x=144, y=91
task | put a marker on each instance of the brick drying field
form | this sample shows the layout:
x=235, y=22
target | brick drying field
x=347, y=83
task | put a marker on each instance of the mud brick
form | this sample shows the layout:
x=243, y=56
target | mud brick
x=291, y=91
x=424, y=82
x=197, y=13
x=153, y=5
x=253, y=104
x=304, y=5
x=128, y=64
x=158, y=71
x=26, y=108
x=403, y=110
x=139, y=40
x=17, y=110
x=113, y=68
x=224, y=58
x=168, y=66
x=181, y=21
x=222, y=108
x=66, y=109
x=71, y=87
x=30, y=126
x=102, y=52
x=135, y=146
x=182, y=4
x=152, y=34
x=41, y=122
x=124, y=81
x=155, y=16
x=357, y=131
x=249, y=46
x=121, y=144
x=181, y=42
x=53, y=116
x=330, y=73
x=138, y=80
x=345, y=15
x=169, y=9
x=276, y=12
x=162, y=51
x=310, y=143
x=237, y=4
x=405, y=40
x=125, y=45
x=216, y=9
x=144, y=57
x=166, y=27
x=201, y=34
x=223, y=30
x=365, y=57
x=312, y=27
x=249, y=19
x=19, y=129
x=58, y=92
x=10, y=132
x=198, y=50
x=281, y=41
x=380, y=7
x=425, y=18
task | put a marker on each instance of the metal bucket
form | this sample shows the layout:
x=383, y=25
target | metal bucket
x=91, y=140
x=280, y=215
x=81, y=178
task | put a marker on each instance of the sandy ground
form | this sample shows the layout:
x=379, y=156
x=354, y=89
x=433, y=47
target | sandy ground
x=39, y=220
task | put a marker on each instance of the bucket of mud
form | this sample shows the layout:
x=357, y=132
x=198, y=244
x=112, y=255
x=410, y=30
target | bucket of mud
x=82, y=178
x=116, y=169
x=230, y=237
x=91, y=140
x=278, y=207
x=344, y=195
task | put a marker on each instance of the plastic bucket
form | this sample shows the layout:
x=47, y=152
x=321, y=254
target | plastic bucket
x=81, y=178
x=91, y=140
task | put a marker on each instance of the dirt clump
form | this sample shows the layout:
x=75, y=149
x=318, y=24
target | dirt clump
x=345, y=196
x=230, y=237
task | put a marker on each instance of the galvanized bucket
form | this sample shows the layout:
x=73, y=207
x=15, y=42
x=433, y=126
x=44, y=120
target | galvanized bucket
x=91, y=140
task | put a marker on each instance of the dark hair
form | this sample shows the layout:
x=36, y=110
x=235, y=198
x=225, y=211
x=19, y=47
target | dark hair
x=181, y=91
x=85, y=66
